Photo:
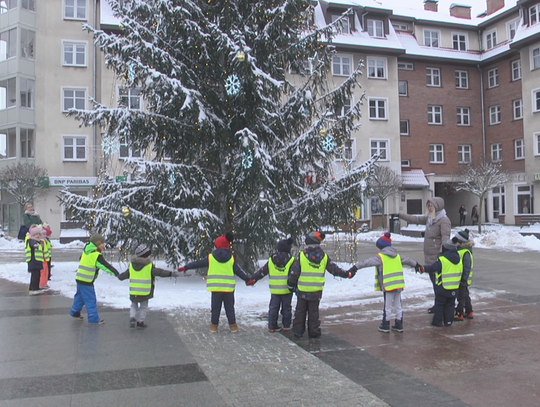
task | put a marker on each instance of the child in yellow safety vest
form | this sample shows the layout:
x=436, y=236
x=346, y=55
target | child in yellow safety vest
x=141, y=273
x=389, y=279
x=34, y=258
x=46, y=247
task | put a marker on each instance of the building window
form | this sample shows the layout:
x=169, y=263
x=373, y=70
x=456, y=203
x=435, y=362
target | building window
x=405, y=163
x=511, y=28
x=496, y=152
x=341, y=65
x=128, y=152
x=75, y=9
x=74, y=53
x=8, y=93
x=491, y=39
x=523, y=196
x=349, y=150
x=380, y=148
x=347, y=104
x=29, y=5
x=73, y=99
x=464, y=153
x=27, y=90
x=536, y=100
x=493, y=77
x=376, y=68
x=74, y=148
x=436, y=153
x=28, y=42
x=433, y=77
x=534, y=13
x=519, y=148
x=431, y=38
x=536, y=137
x=377, y=109
x=516, y=70
x=462, y=79
x=463, y=116
x=344, y=27
x=535, y=58
x=403, y=88
x=27, y=143
x=499, y=201
x=8, y=44
x=434, y=114
x=6, y=5
x=406, y=66
x=459, y=41
x=400, y=27
x=375, y=28
x=129, y=98
x=517, y=109
x=494, y=114
x=404, y=127
x=8, y=143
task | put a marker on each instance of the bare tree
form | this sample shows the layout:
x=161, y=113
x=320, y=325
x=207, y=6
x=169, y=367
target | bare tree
x=23, y=180
x=383, y=183
x=479, y=180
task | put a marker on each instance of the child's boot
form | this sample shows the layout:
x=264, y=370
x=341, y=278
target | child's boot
x=132, y=322
x=213, y=328
x=233, y=328
x=385, y=326
x=458, y=316
x=469, y=315
x=398, y=326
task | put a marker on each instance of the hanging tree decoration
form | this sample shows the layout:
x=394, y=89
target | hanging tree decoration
x=232, y=85
x=130, y=76
x=172, y=179
x=328, y=144
x=110, y=145
x=247, y=159
x=241, y=56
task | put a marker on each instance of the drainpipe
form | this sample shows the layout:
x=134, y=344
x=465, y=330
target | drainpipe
x=483, y=113
x=94, y=86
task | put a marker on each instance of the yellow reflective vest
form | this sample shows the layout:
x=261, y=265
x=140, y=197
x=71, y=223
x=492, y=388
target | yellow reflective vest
x=47, y=249
x=461, y=254
x=450, y=275
x=278, y=277
x=86, y=272
x=38, y=251
x=392, y=273
x=140, y=281
x=220, y=275
x=311, y=274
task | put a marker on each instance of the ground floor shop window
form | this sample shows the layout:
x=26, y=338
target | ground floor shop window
x=523, y=196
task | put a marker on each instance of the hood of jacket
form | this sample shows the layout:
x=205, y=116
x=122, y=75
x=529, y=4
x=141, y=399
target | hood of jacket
x=139, y=262
x=89, y=248
x=466, y=245
x=280, y=259
x=438, y=203
x=389, y=251
x=222, y=255
x=452, y=255
x=314, y=253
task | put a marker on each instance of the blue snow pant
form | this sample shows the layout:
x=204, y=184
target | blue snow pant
x=227, y=299
x=278, y=301
x=85, y=296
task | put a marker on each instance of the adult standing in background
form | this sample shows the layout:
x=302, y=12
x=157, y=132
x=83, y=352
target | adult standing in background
x=31, y=217
x=438, y=229
x=474, y=214
x=462, y=215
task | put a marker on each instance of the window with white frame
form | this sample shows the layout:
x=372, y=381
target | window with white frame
x=403, y=88
x=494, y=114
x=375, y=28
x=493, y=77
x=405, y=163
x=349, y=150
x=519, y=149
x=347, y=104
x=341, y=64
x=434, y=114
x=517, y=108
x=8, y=93
x=8, y=44
x=462, y=79
x=29, y=5
x=74, y=148
x=511, y=28
x=129, y=98
x=463, y=116
x=536, y=138
x=74, y=53
x=523, y=196
x=464, y=153
x=376, y=67
x=126, y=151
x=431, y=38
x=534, y=14
x=406, y=66
x=404, y=127
x=436, y=153
x=380, y=148
x=73, y=98
x=496, y=152
x=26, y=92
x=535, y=58
x=75, y=9
x=516, y=70
x=377, y=109
x=433, y=77
x=345, y=26
x=536, y=100
x=8, y=143
x=491, y=39
x=28, y=143
x=6, y=5
x=400, y=26
x=28, y=43
x=499, y=201
x=459, y=41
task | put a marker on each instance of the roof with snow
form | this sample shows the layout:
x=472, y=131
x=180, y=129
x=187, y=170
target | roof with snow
x=414, y=177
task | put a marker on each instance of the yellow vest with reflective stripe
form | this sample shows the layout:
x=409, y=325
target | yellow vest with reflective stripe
x=140, y=281
x=47, y=249
x=87, y=267
x=278, y=277
x=311, y=274
x=461, y=254
x=220, y=275
x=38, y=252
x=450, y=276
x=392, y=273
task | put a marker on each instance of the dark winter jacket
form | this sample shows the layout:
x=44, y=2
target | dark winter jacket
x=34, y=245
x=467, y=261
x=101, y=263
x=315, y=254
x=280, y=259
x=223, y=256
x=31, y=218
x=453, y=256
x=138, y=263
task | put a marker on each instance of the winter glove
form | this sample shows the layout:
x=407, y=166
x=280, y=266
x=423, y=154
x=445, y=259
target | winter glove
x=418, y=268
x=183, y=268
x=250, y=282
x=352, y=271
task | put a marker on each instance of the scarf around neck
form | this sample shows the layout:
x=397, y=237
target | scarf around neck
x=438, y=215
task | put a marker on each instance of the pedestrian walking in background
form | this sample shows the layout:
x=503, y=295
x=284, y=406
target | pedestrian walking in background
x=142, y=274
x=34, y=258
x=389, y=279
x=474, y=215
x=277, y=267
x=464, y=247
x=220, y=280
x=307, y=278
x=438, y=229
x=462, y=215
x=90, y=263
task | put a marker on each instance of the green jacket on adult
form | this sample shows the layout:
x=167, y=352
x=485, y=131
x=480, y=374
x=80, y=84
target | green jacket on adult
x=31, y=218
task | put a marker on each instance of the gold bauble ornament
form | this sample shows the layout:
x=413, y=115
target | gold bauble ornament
x=125, y=211
x=241, y=56
x=322, y=132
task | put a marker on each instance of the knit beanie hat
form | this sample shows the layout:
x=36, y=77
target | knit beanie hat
x=384, y=241
x=224, y=241
x=449, y=245
x=35, y=232
x=142, y=251
x=97, y=239
x=315, y=237
x=461, y=237
x=285, y=245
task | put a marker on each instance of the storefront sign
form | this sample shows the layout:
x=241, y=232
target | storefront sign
x=72, y=181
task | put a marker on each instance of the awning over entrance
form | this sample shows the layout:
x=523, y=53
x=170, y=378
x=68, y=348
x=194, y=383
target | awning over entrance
x=414, y=178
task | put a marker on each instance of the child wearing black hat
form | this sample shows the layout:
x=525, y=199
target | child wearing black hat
x=142, y=273
x=464, y=247
x=278, y=266
x=388, y=279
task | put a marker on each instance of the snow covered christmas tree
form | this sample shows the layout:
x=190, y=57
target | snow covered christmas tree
x=241, y=127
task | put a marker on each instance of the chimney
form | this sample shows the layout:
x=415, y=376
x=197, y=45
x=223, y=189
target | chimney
x=460, y=11
x=431, y=5
x=494, y=5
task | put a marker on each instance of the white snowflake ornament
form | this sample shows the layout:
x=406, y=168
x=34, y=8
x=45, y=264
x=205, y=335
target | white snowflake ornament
x=232, y=85
x=110, y=145
x=247, y=159
x=328, y=144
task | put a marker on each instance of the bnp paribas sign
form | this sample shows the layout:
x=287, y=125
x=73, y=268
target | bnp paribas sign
x=72, y=181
